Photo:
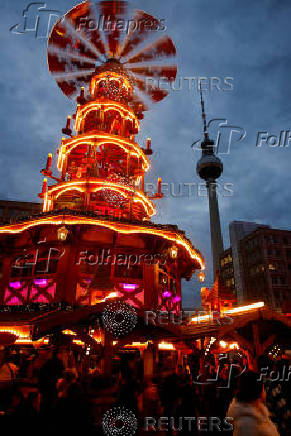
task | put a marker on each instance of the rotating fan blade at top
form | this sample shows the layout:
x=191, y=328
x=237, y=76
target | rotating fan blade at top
x=79, y=48
x=168, y=72
x=115, y=12
x=144, y=28
x=157, y=50
x=72, y=52
x=153, y=92
x=140, y=67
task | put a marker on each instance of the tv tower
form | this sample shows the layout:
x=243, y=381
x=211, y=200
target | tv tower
x=209, y=168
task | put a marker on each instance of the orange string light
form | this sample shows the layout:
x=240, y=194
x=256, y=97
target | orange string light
x=118, y=227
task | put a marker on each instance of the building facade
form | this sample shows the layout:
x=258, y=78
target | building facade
x=11, y=210
x=237, y=231
x=265, y=255
x=226, y=274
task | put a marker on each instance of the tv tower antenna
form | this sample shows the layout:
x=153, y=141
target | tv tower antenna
x=209, y=168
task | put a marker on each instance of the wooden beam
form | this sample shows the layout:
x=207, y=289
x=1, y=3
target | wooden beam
x=268, y=342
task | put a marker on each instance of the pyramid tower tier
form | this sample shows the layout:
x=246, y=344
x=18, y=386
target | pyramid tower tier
x=103, y=155
x=99, y=195
x=102, y=167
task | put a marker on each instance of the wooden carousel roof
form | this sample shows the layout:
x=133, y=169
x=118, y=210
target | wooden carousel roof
x=130, y=227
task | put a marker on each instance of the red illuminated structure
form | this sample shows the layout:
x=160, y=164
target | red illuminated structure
x=94, y=239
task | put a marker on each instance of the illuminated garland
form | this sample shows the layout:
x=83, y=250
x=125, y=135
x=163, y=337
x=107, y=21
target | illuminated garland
x=83, y=111
x=117, y=227
x=101, y=139
x=101, y=184
x=107, y=75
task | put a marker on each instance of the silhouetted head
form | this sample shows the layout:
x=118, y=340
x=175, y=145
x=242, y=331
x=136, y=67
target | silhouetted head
x=250, y=388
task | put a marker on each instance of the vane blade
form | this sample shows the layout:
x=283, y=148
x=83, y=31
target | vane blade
x=68, y=89
x=67, y=54
x=153, y=92
x=159, y=49
x=168, y=72
x=143, y=27
x=73, y=74
x=74, y=50
x=81, y=43
x=113, y=20
x=85, y=25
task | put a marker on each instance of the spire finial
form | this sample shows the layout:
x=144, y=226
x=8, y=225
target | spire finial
x=203, y=116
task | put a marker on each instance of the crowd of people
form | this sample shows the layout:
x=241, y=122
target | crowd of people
x=53, y=389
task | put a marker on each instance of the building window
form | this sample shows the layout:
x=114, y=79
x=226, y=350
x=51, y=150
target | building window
x=283, y=280
x=129, y=271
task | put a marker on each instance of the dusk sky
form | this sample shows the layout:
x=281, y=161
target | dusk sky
x=243, y=40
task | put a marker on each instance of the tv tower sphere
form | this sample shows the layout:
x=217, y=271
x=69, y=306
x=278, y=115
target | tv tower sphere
x=209, y=167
